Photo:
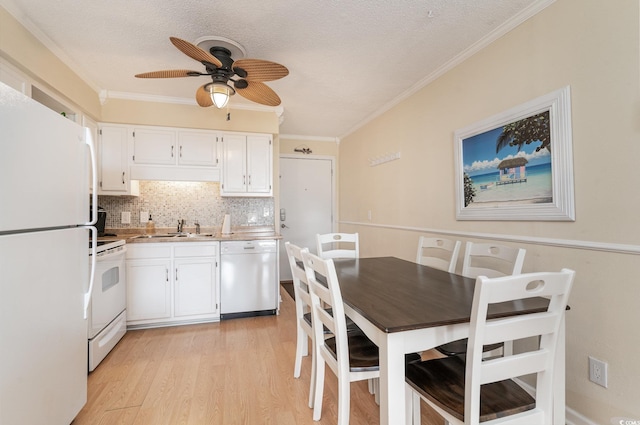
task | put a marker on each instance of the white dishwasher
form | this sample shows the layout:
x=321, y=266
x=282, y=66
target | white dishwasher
x=248, y=279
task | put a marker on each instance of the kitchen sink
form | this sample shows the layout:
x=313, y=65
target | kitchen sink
x=174, y=235
x=153, y=236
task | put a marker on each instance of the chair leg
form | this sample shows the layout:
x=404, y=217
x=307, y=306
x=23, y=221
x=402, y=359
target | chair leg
x=409, y=404
x=370, y=385
x=312, y=383
x=376, y=390
x=318, y=392
x=301, y=350
x=344, y=399
x=417, y=418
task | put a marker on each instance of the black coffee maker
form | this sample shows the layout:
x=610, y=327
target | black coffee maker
x=102, y=219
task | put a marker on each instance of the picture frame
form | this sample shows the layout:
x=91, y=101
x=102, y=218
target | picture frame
x=518, y=165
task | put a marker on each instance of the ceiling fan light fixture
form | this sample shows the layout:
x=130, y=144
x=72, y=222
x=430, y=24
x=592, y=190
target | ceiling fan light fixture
x=220, y=93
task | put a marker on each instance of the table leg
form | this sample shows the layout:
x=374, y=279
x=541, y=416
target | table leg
x=392, y=383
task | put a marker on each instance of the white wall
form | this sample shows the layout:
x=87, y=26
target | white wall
x=593, y=47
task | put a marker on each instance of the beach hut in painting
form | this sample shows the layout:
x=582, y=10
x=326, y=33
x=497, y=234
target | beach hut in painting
x=513, y=170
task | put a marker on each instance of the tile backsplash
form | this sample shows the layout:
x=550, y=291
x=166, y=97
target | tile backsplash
x=169, y=202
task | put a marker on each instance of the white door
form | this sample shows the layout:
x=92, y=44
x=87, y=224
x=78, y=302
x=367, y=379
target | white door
x=306, y=203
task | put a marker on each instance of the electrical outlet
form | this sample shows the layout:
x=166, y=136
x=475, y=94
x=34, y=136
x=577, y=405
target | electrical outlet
x=265, y=212
x=125, y=217
x=598, y=371
x=144, y=216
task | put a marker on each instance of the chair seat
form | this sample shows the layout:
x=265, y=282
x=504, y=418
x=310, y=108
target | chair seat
x=442, y=381
x=459, y=347
x=363, y=353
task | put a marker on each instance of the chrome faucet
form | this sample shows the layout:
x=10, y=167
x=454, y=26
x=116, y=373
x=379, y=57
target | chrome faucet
x=197, y=227
x=180, y=225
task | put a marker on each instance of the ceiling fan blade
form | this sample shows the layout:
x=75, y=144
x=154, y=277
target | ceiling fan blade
x=195, y=52
x=260, y=93
x=261, y=70
x=203, y=97
x=169, y=73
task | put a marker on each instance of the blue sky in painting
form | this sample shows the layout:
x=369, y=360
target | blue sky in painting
x=479, y=153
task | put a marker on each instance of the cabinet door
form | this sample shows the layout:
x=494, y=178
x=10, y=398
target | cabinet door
x=154, y=146
x=259, y=164
x=197, y=148
x=148, y=289
x=195, y=285
x=234, y=171
x=113, y=159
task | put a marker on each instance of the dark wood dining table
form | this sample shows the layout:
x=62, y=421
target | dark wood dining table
x=404, y=307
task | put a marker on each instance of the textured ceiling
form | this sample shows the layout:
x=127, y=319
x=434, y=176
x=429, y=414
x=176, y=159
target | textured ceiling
x=348, y=59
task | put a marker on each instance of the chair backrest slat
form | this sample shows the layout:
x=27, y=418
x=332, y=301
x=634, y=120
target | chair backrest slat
x=338, y=245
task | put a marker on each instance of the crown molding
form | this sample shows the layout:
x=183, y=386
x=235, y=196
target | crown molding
x=108, y=94
x=503, y=29
x=309, y=138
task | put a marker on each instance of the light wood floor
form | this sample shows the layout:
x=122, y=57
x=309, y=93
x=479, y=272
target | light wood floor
x=234, y=372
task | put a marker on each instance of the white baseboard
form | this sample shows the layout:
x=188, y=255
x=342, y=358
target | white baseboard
x=571, y=416
x=575, y=418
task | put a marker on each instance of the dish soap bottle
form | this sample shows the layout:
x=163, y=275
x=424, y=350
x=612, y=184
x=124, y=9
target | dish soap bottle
x=151, y=228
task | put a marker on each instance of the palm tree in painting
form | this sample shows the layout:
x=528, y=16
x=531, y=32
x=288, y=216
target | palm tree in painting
x=469, y=190
x=525, y=131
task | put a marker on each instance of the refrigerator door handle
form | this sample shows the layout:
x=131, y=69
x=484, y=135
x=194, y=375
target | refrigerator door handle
x=88, y=139
x=94, y=245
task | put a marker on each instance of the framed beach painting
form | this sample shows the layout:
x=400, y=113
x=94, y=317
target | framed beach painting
x=518, y=165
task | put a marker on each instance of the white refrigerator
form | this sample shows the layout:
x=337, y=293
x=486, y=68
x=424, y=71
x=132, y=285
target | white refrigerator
x=44, y=262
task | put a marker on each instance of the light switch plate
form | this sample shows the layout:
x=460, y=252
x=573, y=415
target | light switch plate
x=125, y=217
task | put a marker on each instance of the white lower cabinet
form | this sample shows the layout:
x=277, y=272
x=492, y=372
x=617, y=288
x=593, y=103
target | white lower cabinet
x=168, y=283
x=194, y=286
x=148, y=290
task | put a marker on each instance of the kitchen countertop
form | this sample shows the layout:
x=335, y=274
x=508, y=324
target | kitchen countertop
x=206, y=235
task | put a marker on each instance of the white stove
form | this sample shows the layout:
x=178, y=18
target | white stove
x=107, y=320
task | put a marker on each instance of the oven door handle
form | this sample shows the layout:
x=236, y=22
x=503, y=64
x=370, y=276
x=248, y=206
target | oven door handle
x=92, y=275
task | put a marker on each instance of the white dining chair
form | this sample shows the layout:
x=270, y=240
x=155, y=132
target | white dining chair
x=338, y=245
x=304, y=322
x=486, y=391
x=351, y=356
x=490, y=260
x=438, y=253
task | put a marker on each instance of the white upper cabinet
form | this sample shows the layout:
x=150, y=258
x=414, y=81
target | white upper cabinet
x=113, y=163
x=247, y=165
x=165, y=153
x=161, y=146
x=154, y=146
x=197, y=148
